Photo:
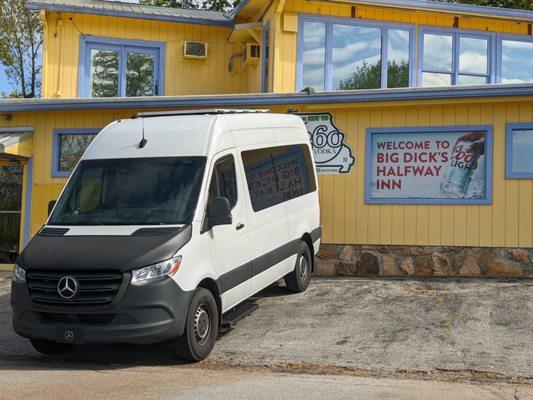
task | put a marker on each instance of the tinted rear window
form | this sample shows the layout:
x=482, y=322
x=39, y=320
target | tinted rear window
x=278, y=174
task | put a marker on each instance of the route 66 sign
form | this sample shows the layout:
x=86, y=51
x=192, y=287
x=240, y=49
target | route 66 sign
x=332, y=155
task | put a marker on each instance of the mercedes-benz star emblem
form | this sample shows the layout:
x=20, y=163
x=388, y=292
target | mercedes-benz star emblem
x=67, y=287
x=69, y=336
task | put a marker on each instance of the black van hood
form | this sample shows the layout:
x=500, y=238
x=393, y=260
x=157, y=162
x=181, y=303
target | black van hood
x=118, y=253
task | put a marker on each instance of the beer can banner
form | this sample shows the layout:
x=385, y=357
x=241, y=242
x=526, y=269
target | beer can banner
x=432, y=165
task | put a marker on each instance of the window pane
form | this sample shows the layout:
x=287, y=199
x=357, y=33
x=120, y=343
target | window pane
x=278, y=174
x=132, y=191
x=71, y=148
x=517, y=61
x=223, y=182
x=438, y=52
x=523, y=151
x=356, y=59
x=398, y=58
x=103, y=81
x=473, y=56
x=140, y=75
x=432, y=79
x=314, y=54
x=471, y=80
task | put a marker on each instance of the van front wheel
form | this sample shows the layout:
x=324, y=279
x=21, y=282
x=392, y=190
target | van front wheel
x=201, y=327
x=298, y=280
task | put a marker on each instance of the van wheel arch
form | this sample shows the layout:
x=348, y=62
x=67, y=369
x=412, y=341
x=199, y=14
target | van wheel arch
x=212, y=286
x=307, y=239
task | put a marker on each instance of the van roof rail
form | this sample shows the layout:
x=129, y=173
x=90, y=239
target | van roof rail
x=211, y=111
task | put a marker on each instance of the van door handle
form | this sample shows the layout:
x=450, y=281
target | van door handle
x=239, y=226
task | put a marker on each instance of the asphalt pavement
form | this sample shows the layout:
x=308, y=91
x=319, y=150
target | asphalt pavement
x=343, y=338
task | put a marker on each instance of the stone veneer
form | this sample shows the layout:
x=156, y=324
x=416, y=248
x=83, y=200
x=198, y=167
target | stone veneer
x=423, y=261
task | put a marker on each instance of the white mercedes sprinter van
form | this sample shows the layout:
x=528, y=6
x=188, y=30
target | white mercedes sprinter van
x=169, y=221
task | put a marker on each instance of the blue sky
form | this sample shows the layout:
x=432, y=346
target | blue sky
x=4, y=86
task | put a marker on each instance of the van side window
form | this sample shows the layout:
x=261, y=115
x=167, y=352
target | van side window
x=223, y=182
x=278, y=174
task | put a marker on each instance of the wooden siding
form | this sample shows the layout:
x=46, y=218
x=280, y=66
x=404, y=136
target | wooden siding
x=508, y=222
x=182, y=76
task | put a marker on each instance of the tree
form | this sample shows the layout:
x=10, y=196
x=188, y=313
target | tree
x=20, y=44
x=212, y=5
x=523, y=4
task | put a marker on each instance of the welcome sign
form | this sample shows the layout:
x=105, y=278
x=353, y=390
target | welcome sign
x=428, y=165
x=332, y=155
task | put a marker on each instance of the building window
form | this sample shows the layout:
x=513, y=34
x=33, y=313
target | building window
x=119, y=68
x=335, y=54
x=519, y=151
x=68, y=147
x=429, y=165
x=516, y=60
x=455, y=58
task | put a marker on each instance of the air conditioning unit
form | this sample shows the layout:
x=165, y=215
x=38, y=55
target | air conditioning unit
x=195, y=50
x=251, y=54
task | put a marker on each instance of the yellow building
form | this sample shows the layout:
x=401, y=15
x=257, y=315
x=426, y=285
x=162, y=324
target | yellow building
x=420, y=115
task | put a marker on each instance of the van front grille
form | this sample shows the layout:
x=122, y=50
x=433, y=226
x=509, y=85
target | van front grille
x=93, y=288
x=93, y=319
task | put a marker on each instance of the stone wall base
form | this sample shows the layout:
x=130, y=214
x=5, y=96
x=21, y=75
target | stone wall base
x=366, y=260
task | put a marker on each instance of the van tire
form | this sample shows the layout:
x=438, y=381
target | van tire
x=201, y=327
x=298, y=280
x=50, y=348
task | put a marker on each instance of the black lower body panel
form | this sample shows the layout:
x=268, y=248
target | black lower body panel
x=144, y=314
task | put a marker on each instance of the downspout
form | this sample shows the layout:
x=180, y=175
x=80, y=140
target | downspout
x=276, y=81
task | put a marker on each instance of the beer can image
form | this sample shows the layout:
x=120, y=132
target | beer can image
x=463, y=164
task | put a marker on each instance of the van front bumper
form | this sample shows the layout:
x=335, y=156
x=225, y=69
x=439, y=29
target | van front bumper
x=144, y=314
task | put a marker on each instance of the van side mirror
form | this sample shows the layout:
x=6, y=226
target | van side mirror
x=218, y=212
x=51, y=205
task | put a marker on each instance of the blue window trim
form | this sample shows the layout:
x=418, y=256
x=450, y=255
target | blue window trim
x=425, y=130
x=264, y=78
x=509, y=174
x=499, y=39
x=456, y=34
x=157, y=48
x=56, y=173
x=329, y=21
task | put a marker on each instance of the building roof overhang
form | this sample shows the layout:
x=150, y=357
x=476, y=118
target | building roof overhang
x=248, y=7
x=15, y=142
x=132, y=10
x=270, y=99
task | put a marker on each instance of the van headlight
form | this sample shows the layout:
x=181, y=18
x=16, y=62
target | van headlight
x=19, y=275
x=155, y=272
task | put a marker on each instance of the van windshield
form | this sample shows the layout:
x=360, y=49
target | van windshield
x=133, y=191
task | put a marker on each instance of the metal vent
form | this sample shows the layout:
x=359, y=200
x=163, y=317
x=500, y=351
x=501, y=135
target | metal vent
x=53, y=231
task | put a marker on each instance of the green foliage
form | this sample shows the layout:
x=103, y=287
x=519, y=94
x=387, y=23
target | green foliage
x=521, y=4
x=104, y=73
x=20, y=45
x=398, y=74
x=212, y=5
x=366, y=76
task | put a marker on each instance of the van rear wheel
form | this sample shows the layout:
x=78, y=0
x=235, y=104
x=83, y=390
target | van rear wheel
x=50, y=348
x=298, y=280
x=201, y=327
